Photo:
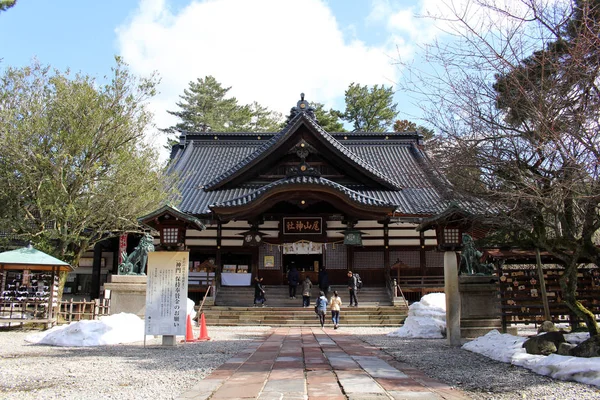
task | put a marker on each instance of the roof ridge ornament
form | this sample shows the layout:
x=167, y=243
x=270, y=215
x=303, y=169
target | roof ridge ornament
x=302, y=106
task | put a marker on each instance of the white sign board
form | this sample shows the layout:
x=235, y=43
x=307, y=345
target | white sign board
x=166, y=293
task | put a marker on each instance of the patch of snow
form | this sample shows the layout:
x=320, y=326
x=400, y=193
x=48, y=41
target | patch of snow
x=426, y=319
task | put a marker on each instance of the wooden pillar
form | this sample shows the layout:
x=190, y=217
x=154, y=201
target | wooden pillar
x=386, y=246
x=422, y=254
x=540, y=270
x=219, y=267
x=499, y=264
x=51, y=298
x=2, y=278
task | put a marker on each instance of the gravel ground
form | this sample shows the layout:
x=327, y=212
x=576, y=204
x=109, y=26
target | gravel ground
x=134, y=372
x=480, y=377
x=113, y=372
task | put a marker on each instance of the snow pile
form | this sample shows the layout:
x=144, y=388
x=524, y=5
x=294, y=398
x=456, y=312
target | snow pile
x=508, y=348
x=112, y=329
x=426, y=319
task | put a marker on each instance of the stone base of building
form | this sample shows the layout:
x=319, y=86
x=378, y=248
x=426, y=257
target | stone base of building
x=127, y=294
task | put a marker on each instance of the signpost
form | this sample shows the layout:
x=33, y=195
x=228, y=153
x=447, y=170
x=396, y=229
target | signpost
x=166, y=295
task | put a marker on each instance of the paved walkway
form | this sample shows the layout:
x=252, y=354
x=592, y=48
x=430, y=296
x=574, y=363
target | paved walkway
x=314, y=364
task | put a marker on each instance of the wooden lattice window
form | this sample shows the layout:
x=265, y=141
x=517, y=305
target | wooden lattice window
x=411, y=258
x=434, y=259
x=336, y=257
x=368, y=259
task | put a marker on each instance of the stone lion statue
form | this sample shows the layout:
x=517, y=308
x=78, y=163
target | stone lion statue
x=135, y=263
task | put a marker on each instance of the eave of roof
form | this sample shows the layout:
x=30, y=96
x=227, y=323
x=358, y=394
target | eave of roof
x=168, y=209
x=352, y=195
x=30, y=258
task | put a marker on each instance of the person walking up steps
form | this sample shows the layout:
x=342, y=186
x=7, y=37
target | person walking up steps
x=306, y=288
x=352, y=288
x=259, y=292
x=336, y=304
x=321, y=308
x=293, y=280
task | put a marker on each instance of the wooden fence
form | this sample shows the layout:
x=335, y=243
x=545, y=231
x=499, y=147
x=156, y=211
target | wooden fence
x=83, y=309
x=521, y=299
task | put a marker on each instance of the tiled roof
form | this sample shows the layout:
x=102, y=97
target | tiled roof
x=269, y=147
x=209, y=158
x=352, y=195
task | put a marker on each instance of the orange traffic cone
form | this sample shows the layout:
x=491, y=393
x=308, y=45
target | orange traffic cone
x=189, y=332
x=203, y=332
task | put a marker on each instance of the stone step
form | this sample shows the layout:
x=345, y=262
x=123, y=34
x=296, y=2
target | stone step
x=279, y=296
x=284, y=316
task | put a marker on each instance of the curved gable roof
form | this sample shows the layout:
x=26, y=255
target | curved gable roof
x=351, y=195
x=279, y=139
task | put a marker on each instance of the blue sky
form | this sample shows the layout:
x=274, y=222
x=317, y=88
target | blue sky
x=267, y=50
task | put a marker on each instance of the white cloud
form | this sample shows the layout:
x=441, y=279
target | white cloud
x=267, y=50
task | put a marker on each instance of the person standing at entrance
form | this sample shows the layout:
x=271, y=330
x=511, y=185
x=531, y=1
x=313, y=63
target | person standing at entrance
x=259, y=292
x=324, y=280
x=321, y=307
x=293, y=280
x=306, y=288
x=336, y=305
x=352, y=288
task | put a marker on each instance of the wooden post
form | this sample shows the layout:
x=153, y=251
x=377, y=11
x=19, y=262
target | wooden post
x=386, y=247
x=51, y=297
x=538, y=258
x=70, y=317
x=499, y=264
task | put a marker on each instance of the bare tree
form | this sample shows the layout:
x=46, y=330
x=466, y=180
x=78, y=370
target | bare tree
x=512, y=91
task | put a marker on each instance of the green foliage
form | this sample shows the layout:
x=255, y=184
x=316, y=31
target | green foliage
x=262, y=119
x=403, y=125
x=74, y=166
x=369, y=109
x=204, y=107
x=328, y=120
x=6, y=4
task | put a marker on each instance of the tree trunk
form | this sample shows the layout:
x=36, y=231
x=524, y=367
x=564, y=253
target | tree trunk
x=568, y=285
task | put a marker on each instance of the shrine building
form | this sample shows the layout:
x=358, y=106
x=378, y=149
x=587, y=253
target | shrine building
x=303, y=196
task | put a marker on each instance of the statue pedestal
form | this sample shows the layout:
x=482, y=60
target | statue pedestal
x=480, y=305
x=127, y=294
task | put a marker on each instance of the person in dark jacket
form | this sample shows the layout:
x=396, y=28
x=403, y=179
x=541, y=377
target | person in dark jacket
x=293, y=280
x=306, y=289
x=324, y=280
x=259, y=292
x=352, y=288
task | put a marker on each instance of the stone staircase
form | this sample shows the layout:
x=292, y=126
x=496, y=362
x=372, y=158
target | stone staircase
x=234, y=307
x=278, y=296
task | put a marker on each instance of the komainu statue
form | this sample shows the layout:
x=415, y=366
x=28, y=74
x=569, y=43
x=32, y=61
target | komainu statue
x=470, y=259
x=135, y=263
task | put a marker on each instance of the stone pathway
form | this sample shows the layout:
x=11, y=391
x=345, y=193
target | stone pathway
x=314, y=364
